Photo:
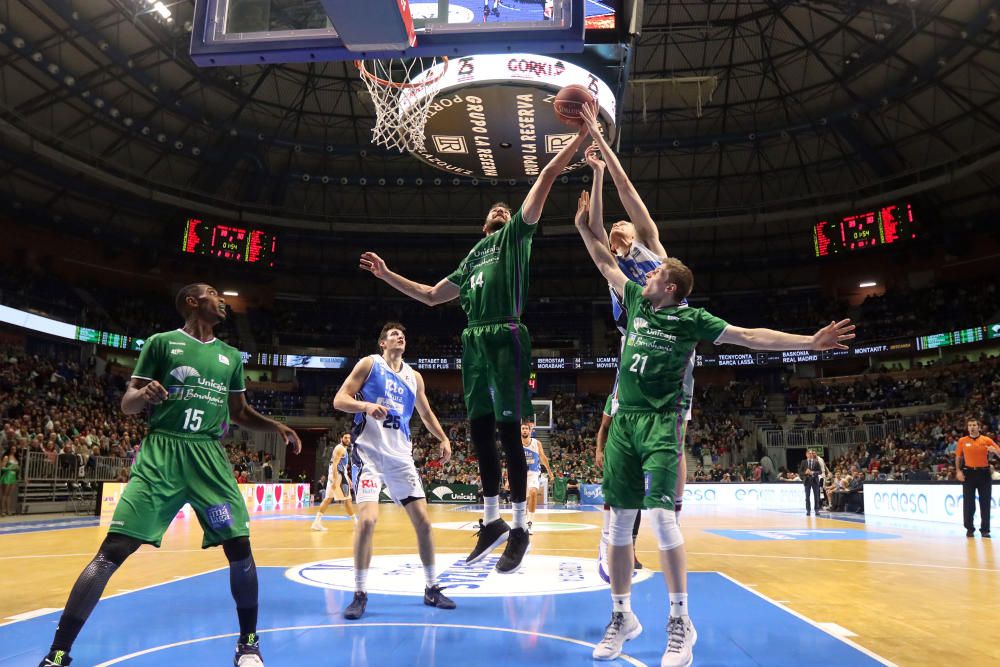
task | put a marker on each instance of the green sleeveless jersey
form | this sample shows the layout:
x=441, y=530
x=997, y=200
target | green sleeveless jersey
x=656, y=371
x=493, y=277
x=198, y=376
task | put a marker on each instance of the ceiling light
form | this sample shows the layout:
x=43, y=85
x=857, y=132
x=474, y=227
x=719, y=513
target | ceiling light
x=230, y=293
x=868, y=283
x=161, y=9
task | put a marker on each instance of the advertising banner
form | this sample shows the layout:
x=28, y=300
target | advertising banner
x=258, y=498
x=769, y=496
x=452, y=493
x=941, y=503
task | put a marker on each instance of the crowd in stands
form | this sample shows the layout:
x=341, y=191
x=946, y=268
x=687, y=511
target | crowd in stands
x=68, y=414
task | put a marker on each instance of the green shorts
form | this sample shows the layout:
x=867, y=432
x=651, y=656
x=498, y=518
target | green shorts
x=641, y=459
x=496, y=365
x=172, y=470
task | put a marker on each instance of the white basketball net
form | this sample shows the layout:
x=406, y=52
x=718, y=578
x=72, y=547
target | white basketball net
x=402, y=98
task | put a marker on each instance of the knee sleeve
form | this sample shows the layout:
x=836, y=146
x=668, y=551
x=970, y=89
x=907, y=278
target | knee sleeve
x=117, y=547
x=237, y=549
x=668, y=533
x=620, y=529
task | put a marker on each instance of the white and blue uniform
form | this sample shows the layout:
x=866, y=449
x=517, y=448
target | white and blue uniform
x=534, y=460
x=639, y=261
x=383, y=453
x=344, y=489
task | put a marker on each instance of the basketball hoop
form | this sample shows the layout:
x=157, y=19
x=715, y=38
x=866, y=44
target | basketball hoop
x=402, y=93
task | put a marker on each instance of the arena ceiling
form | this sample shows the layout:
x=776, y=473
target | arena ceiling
x=807, y=107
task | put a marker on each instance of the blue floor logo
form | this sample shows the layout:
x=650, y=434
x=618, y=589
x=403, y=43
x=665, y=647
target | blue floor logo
x=803, y=534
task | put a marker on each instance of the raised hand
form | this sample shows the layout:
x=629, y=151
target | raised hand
x=373, y=263
x=582, y=209
x=588, y=115
x=594, y=158
x=831, y=336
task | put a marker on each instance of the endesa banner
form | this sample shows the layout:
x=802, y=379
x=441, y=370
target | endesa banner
x=920, y=502
x=788, y=494
x=258, y=498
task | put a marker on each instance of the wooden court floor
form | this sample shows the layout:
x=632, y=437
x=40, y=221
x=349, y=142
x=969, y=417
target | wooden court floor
x=913, y=595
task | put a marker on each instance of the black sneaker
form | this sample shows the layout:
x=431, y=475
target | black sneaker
x=529, y=527
x=248, y=654
x=513, y=554
x=56, y=659
x=970, y=533
x=356, y=609
x=488, y=537
x=433, y=597
x=636, y=565
x=986, y=535
x=496, y=11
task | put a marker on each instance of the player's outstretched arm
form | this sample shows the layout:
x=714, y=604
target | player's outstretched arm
x=595, y=217
x=531, y=209
x=431, y=296
x=831, y=337
x=344, y=399
x=430, y=420
x=645, y=229
x=241, y=413
x=598, y=249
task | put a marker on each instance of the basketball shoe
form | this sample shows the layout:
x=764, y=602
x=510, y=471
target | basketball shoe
x=517, y=545
x=681, y=637
x=248, y=654
x=488, y=537
x=56, y=659
x=622, y=628
x=356, y=609
x=433, y=597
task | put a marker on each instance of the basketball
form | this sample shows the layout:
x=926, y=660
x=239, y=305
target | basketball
x=569, y=101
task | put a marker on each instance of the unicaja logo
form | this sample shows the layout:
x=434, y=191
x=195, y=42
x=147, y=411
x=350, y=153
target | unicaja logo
x=441, y=491
x=182, y=373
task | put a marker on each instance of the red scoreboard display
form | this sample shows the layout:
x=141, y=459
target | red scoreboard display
x=237, y=244
x=875, y=227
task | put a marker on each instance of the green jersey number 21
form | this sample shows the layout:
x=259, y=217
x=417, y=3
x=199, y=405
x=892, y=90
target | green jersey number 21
x=638, y=363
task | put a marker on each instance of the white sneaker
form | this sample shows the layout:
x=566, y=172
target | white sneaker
x=681, y=637
x=622, y=628
x=318, y=525
x=602, y=561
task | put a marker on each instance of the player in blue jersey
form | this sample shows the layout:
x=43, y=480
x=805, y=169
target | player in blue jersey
x=381, y=392
x=338, y=482
x=535, y=457
x=635, y=243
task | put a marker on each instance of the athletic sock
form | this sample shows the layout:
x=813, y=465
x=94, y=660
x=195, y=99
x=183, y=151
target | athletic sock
x=491, y=508
x=519, y=515
x=429, y=577
x=360, y=580
x=621, y=603
x=678, y=605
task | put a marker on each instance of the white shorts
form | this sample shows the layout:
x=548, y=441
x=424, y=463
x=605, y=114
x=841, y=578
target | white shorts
x=400, y=477
x=533, y=479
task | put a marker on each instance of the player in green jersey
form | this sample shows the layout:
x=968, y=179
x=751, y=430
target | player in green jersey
x=193, y=385
x=640, y=458
x=492, y=283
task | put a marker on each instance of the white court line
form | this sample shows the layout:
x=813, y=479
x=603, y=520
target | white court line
x=114, y=661
x=838, y=630
x=32, y=614
x=819, y=626
x=136, y=590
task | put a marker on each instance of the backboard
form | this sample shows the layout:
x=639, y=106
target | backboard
x=240, y=32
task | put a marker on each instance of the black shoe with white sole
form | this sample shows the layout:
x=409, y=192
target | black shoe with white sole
x=488, y=537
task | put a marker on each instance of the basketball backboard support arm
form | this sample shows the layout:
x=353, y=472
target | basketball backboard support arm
x=244, y=32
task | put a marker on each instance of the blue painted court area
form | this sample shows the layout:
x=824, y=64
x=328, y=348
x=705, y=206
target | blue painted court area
x=13, y=528
x=192, y=622
x=801, y=534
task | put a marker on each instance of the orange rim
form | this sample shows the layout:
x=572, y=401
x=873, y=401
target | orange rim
x=392, y=84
